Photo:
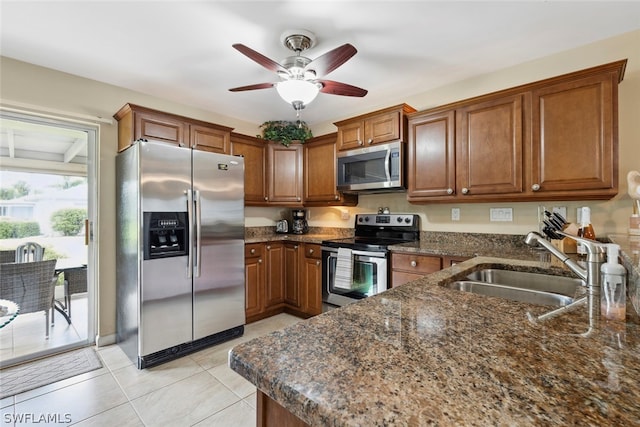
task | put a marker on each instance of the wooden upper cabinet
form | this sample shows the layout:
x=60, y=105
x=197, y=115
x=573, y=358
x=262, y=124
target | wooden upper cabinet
x=575, y=136
x=490, y=139
x=374, y=128
x=254, y=152
x=319, y=167
x=136, y=122
x=284, y=172
x=209, y=138
x=431, y=163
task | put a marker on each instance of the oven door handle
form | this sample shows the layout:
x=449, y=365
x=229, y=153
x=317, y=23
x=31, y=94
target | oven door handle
x=333, y=252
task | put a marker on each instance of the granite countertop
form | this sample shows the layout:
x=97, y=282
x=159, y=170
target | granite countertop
x=422, y=354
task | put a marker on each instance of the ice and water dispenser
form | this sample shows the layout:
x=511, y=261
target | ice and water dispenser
x=165, y=234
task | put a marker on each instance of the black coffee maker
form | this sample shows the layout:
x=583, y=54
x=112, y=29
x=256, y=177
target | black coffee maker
x=299, y=223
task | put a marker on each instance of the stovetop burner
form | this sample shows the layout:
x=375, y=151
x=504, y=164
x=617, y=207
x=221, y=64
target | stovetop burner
x=375, y=232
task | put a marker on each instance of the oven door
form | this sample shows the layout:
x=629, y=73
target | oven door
x=369, y=276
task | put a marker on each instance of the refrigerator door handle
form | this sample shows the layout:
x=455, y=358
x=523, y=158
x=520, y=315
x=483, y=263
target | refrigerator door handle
x=189, y=194
x=198, y=207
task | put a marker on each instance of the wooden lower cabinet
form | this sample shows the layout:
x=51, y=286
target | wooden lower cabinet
x=408, y=267
x=282, y=277
x=271, y=414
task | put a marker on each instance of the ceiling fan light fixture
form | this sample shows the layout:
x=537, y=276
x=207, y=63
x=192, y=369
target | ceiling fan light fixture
x=297, y=92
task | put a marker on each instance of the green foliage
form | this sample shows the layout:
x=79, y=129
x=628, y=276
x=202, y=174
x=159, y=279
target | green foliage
x=70, y=181
x=284, y=131
x=69, y=222
x=18, y=189
x=18, y=229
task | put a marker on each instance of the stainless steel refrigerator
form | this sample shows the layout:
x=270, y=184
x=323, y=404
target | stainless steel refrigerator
x=180, y=250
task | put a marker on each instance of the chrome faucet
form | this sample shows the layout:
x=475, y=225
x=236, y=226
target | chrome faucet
x=590, y=275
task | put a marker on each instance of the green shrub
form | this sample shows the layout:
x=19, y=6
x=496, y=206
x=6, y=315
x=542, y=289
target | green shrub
x=18, y=229
x=68, y=222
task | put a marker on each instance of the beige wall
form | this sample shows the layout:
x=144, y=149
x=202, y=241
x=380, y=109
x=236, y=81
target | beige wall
x=27, y=84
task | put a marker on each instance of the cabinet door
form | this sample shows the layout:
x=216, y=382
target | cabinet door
x=254, y=152
x=382, y=128
x=274, y=271
x=160, y=127
x=574, y=128
x=490, y=138
x=351, y=135
x=319, y=168
x=312, y=285
x=431, y=156
x=292, y=279
x=285, y=174
x=210, y=139
x=254, y=280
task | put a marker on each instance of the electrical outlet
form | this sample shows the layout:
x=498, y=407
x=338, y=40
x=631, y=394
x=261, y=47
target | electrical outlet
x=562, y=210
x=501, y=214
x=345, y=214
x=455, y=214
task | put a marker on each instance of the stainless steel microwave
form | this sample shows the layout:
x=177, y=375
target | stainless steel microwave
x=378, y=168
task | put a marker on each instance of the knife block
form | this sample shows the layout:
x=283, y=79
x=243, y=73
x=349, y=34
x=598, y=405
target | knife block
x=566, y=245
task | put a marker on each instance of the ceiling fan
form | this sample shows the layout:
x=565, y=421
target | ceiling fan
x=301, y=77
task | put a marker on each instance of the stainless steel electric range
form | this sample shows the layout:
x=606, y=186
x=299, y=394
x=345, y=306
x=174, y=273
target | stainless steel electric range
x=357, y=267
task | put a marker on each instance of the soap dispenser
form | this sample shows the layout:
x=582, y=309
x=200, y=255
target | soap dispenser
x=613, y=292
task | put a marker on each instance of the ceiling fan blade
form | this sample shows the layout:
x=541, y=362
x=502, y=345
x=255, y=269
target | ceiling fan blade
x=267, y=63
x=324, y=64
x=337, y=88
x=253, y=87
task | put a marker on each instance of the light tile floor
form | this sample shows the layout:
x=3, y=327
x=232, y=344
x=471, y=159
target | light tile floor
x=195, y=390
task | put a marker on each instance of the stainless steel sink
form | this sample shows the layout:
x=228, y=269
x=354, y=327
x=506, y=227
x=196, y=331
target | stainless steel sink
x=533, y=288
x=511, y=293
x=526, y=280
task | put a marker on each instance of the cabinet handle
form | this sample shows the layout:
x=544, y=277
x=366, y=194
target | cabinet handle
x=266, y=199
x=298, y=198
x=449, y=190
x=295, y=247
x=413, y=263
x=260, y=261
x=535, y=187
x=465, y=190
x=336, y=197
x=310, y=251
x=268, y=247
x=253, y=251
x=317, y=262
x=370, y=141
x=360, y=142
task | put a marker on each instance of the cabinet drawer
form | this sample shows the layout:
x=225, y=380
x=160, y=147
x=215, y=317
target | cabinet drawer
x=312, y=250
x=424, y=264
x=253, y=250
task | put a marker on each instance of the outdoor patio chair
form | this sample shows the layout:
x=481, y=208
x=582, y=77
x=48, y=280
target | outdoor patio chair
x=29, y=251
x=7, y=256
x=75, y=282
x=30, y=285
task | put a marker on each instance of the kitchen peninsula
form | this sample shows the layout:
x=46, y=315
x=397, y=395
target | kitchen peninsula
x=421, y=354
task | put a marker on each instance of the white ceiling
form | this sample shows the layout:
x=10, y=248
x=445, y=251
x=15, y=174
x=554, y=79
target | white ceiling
x=181, y=50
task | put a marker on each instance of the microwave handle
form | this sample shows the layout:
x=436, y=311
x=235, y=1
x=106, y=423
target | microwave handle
x=387, y=165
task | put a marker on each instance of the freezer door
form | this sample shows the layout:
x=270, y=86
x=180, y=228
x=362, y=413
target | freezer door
x=166, y=291
x=218, y=183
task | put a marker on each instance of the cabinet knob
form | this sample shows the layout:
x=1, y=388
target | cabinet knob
x=317, y=262
x=465, y=190
x=413, y=263
x=180, y=144
x=298, y=198
x=253, y=251
x=266, y=199
x=535, y=187
x=295, y=247
x=310, y=251
x=370, y=141
x=260, y=261
x=360, y=142
x=449, y=190
x=336, y=197
x=268, y=247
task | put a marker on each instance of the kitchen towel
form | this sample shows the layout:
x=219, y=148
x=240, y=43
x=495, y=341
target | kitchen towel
x=344, y=269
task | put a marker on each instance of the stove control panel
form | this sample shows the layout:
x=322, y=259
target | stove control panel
x=397, y=220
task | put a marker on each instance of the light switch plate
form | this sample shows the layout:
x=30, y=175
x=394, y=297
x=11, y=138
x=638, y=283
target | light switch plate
x=501, y=214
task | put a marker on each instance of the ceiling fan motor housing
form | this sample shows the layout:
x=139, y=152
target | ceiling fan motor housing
x=298, y=40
